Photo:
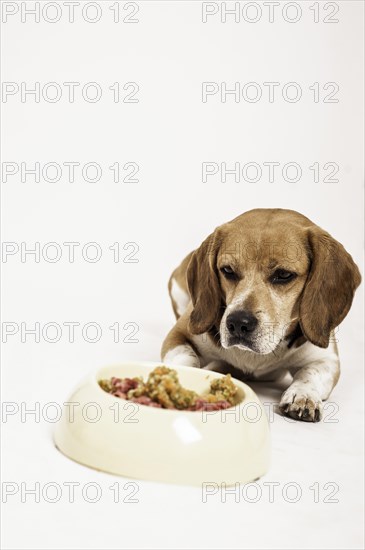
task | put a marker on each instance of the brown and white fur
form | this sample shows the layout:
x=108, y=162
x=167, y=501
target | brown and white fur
x=264, y=293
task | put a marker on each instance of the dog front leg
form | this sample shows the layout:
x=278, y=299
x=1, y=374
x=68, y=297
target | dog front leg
x=311, y=385
x=177, y=350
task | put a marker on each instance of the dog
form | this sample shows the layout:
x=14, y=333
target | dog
x=264, y=294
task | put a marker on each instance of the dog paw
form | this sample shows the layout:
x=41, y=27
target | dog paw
x=301, y=405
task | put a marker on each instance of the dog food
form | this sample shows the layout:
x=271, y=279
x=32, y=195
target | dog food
x=163, y=390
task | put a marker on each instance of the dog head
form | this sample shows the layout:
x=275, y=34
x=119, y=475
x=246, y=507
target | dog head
x=257, y=277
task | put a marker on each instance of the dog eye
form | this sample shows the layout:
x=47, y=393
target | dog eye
x=281, y=276
x=228, y=272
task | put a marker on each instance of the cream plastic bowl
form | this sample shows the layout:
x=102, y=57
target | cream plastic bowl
x=186, y=447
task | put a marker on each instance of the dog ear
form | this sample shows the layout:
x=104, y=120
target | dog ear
x=203, y=284
x=330, y=287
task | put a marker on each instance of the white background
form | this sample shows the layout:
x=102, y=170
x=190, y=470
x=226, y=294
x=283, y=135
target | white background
x=169, y=133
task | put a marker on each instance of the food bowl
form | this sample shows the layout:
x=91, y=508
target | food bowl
x=118, y=436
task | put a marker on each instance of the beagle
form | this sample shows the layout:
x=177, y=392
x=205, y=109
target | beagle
x=264, y=293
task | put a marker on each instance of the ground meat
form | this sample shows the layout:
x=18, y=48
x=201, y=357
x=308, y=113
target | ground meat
x=163, y=390
x=144, y=400
x=204, y=405
x=124, y=384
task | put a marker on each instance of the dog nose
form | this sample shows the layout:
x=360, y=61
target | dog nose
x=241, y=322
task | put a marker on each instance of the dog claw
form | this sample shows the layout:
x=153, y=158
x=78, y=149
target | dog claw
x=306, y=408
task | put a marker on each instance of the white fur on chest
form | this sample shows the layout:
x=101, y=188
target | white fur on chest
x=260, y=365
